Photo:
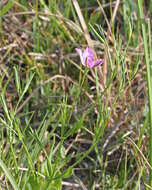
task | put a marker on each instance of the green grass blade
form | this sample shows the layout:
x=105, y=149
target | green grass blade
x=25, y=90
x=8, y=174
x=17, y=81
x=141, y=14
x=6, y=8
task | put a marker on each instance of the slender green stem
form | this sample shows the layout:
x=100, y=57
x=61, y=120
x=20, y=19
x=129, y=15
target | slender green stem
x=141, y=14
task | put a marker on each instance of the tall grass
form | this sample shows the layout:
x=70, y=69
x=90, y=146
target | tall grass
x=147, y=51
x=64, y=125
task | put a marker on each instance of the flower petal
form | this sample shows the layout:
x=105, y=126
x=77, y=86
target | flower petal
x=90, y=62
x=98, y=62
x=88, y=58
x=93, y=62
x=79, y=51
x=88, y=52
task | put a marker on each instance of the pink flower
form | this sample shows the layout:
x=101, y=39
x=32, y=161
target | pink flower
x=88, y=58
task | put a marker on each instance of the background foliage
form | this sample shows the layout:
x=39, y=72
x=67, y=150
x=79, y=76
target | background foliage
x=62, y=125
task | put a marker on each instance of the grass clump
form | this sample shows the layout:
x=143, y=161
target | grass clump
x=64, y=125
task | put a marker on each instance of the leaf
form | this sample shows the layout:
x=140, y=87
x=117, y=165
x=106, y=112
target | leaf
x=6, y=8
x=62, y=152
x=8, y=174
x=68, y=172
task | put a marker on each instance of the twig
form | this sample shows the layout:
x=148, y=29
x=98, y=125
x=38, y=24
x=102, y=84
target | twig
x=115, y=11
x=83, y=24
